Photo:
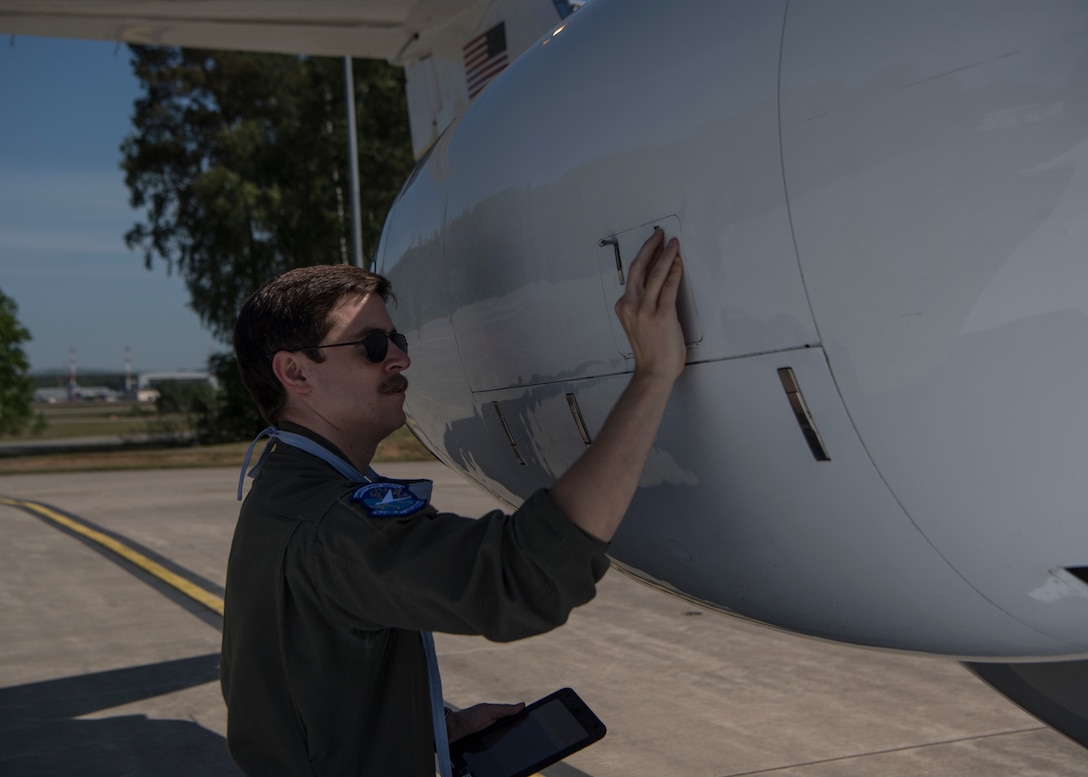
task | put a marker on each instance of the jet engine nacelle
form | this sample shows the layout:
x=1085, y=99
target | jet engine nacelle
x=880, y=436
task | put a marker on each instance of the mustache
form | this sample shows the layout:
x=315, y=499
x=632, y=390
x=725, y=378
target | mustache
x=394, y=384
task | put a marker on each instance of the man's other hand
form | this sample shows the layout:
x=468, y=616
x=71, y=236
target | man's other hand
x=478, y=717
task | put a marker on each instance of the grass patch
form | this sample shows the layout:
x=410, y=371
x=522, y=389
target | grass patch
x=121, y=426
x=400, y=446
x=91, y=419
x=227, y=455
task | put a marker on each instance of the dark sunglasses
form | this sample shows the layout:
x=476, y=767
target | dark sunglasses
x=376, y=345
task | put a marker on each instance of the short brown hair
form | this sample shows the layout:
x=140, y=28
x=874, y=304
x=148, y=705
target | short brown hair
x=293, y=311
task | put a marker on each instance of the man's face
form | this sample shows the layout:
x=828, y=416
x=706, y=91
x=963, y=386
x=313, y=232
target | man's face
x=350, y=392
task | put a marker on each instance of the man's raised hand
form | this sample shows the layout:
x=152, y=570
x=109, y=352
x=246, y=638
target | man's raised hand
x=647, y=309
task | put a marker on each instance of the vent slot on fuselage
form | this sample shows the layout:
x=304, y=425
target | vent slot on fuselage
x=801, y=413
x=509, y=435
x=580, y=422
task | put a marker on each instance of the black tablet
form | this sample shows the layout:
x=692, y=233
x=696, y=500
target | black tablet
x=544, y=732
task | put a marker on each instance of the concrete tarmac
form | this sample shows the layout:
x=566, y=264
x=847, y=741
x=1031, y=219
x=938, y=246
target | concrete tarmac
x=105, y=670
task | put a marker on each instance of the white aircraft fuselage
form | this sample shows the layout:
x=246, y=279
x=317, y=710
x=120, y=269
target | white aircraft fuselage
x=880, y=436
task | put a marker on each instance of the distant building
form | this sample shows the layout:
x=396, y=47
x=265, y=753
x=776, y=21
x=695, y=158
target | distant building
x=101, y=393
x=146, y=382
x=143, y=388
x=53, y=395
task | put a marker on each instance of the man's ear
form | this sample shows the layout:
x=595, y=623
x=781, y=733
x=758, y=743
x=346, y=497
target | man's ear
x=290, y=370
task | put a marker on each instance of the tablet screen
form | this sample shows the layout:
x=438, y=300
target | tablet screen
x=526, y=741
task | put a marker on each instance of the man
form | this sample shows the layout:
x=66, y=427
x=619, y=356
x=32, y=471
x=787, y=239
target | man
x=332, y=591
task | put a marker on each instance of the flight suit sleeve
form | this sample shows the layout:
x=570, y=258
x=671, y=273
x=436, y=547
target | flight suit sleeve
x=502, y=576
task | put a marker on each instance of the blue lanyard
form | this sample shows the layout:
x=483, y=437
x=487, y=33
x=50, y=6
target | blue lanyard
x=304, y=444
x=438, y=712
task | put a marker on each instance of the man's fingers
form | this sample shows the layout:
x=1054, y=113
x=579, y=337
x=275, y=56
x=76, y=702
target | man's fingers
x=478, y=717
x=670, y=288
x=661, y=271
x=505, y=710
x=653, y=280
x=660, y=280
x=647, y=310
x=488, y=712
x=636, y=273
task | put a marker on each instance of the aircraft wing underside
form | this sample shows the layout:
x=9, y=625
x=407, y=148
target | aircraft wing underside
x=380, y=29
x=432, y=39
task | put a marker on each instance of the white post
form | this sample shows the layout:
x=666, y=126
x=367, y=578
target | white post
x=353, y=164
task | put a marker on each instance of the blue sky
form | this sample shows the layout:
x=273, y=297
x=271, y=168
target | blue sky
x=65, y=108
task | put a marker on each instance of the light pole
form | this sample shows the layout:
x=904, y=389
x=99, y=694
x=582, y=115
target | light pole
x=353, y=165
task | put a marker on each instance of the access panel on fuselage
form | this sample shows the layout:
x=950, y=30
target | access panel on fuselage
x=616, y=255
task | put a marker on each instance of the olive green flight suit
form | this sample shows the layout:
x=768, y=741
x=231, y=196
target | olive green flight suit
x=323, y=668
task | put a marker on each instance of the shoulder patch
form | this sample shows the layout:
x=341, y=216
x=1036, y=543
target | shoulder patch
x=387, y=500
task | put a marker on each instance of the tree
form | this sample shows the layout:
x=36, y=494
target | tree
x=232, y=414
x=16, y=387
x=239, y=161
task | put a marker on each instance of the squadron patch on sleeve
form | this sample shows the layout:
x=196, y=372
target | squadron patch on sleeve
x=387, y=500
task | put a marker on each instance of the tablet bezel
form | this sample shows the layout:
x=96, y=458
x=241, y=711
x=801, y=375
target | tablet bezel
x=591, y=724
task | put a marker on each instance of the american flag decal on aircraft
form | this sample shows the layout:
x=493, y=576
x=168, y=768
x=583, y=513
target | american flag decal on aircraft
x=485, y=57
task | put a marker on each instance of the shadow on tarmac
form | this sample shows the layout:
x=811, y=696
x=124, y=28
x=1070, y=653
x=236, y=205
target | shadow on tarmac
x=40, y=734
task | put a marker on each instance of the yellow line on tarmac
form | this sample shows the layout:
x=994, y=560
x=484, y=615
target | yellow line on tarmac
x=194, y=592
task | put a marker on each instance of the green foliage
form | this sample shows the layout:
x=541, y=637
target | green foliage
x=16, y=388
x=232, y=415
x=239, y=164
x=185, y=397
x=200, y=413
x=180, y=405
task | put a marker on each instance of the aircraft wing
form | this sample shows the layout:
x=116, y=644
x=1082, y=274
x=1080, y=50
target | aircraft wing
x=440, y=43
x=379, y=29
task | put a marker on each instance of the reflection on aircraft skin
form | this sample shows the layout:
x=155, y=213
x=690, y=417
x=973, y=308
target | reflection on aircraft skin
x=837, y=198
